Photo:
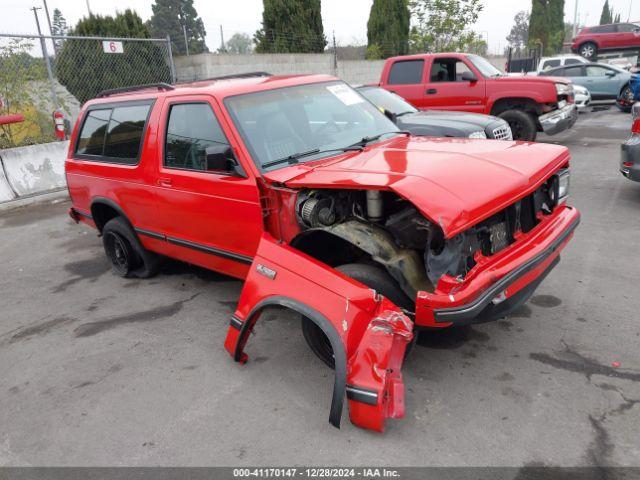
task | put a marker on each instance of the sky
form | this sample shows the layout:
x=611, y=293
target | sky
x=347, y=18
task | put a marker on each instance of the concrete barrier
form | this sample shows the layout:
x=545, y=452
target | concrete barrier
x=5, y=190
x=34, y=169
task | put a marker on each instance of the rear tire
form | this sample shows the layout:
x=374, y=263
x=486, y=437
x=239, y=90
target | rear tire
x=624, y=102
x=588, y=50
x=523, y=125
x=125, y=252
x=372, y=277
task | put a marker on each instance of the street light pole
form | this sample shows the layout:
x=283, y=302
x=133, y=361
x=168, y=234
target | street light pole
x=575, y=18
x=629, y=16
x=45, y=54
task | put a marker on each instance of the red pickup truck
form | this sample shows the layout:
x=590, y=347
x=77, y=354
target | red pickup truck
x=457, y=81
x=302, y=188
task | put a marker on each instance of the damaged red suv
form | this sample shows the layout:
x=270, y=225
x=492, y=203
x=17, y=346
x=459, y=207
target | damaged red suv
x=301, y=187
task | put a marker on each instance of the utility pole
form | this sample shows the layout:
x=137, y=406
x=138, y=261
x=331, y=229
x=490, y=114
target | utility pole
x=88, y=8
x=46, y=11
x=222, y=45
x=575, y=18
x=335, y=55
x=186, y=43
x=45, y=54
x=629, y=16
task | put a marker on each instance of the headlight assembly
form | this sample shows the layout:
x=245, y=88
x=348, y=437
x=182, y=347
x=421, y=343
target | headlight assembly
x=564, y=89
x=559, y=186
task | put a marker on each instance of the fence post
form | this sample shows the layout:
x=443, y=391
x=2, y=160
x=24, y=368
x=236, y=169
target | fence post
x=45, y=54
x=172, y=66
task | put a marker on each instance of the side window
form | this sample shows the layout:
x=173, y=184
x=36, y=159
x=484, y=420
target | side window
x=91, y=140
x=195, y=140
x=593, y=71
x=407, y=72
x=114, y=134
x=124, y=135
x=448, y=70
x=550, y=64
x=572, y=72
x=572, y=61
x=627, y=27
x=605, y=29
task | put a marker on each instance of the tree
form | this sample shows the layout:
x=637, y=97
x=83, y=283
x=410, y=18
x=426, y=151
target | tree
x=388, y=28
x=606, y=16
x=546, y=25
x=519, y=35
x=85, y=69
x=58, y=28
x=443, y=25
x=168, y=18
x=617, y=19
x=291, y=26
x=23, y=90
x=239, y=43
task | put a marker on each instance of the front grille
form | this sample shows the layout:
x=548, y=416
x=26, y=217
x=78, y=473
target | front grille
x=502, y=133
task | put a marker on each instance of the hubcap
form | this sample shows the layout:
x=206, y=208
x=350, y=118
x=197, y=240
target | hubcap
x=587, y=51
x=118, y=252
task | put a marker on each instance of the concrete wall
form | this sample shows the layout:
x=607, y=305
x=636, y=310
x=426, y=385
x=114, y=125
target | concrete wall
x=207, y=65
x=32, y=170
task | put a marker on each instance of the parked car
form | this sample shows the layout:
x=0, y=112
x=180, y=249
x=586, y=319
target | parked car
x=547, y=63
x=435, y=123
x=302, y=188
x=630, y=152
x=601, y=38
x=604, y=82
x=457, y=81
x=582, y=97
x=623, y=63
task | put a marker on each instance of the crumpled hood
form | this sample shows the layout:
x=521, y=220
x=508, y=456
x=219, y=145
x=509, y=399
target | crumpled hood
x=454, y=182
x=470, y=122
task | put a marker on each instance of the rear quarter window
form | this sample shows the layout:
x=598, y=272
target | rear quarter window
x=407, y=72
x=113, y=133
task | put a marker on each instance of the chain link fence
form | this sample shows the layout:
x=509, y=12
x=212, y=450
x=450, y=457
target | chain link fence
x=42, y=74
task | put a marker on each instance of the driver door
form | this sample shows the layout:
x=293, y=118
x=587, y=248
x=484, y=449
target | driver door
x=208, y=207
x=447, y=90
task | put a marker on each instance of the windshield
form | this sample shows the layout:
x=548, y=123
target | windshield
x=386, y=100
x=276, y=124
x=485, y=66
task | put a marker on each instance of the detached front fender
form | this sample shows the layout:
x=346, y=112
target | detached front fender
x=367, y=332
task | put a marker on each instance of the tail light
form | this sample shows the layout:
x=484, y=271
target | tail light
x=635, y=129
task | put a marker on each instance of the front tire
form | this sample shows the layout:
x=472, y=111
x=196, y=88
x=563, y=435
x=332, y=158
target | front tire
x=371, y=276
x=624, y=102
x=523, y=125
x=588, y=50
x=125, y=252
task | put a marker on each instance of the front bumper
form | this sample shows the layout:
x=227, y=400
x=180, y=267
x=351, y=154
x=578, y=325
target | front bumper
x=559, y=120
x=509, y=277
x=630, y=159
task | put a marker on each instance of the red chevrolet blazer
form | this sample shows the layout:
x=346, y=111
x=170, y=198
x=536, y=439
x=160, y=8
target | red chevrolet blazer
x=306, y=191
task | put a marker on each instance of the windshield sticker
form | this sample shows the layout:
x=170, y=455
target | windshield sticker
x=345, y=94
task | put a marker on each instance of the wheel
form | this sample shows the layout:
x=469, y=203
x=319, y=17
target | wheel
x=588, y=50
x=125, y=252
x=625, y=100
x=370, y=276
x=523, y=125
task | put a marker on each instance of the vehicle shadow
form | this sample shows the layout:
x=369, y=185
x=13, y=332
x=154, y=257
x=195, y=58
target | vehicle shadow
x=171, y=267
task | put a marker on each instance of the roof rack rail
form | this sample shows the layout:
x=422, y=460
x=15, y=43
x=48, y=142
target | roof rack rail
x=134, y=88
x=236, y=75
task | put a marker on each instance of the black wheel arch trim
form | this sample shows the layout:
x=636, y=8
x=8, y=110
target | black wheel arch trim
x=464, y=313
x=109, y=203
x=340, y=381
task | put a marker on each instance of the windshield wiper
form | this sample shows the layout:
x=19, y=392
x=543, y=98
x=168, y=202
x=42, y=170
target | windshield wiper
x=295, y=158
x=365, y=140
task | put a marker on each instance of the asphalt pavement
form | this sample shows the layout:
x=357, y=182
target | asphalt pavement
x=99, y=370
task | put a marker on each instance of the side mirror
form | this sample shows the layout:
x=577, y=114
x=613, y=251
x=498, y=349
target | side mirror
x=390, y=115
x=469, y=77
x=220, y=158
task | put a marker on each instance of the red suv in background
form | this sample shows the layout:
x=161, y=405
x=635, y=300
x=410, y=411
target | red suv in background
x=615, y=36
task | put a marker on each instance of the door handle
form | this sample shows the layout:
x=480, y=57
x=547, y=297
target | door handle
x=164, y=182
x=431, y=91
